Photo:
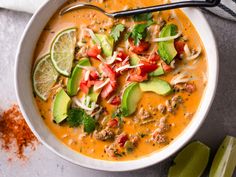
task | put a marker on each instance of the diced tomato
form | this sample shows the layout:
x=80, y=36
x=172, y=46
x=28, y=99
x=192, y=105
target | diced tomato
x=122, y=55
x=84, y=87
x=147, y=67
x=121, y=139
x=107, y=90
x=166, y=67
x=94, y=75
x=94, y=51
x=109, y=72
x=179, y=46
x=90, y=83
x=113, y=123
x=140, y=48
x=116, y=100
x=154, y=58
x=137, y=78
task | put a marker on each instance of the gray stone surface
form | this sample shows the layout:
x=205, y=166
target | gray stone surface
x=220, y=121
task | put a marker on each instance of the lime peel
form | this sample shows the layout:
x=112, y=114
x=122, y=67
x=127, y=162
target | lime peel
x=44, y=77
x=62, y=51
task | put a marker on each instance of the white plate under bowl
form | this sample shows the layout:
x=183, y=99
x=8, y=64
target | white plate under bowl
x=29, y=109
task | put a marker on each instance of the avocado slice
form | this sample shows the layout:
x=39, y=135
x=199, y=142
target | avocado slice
x=60, y=106
x=134, y=59
x=158, y=72
x=76, y=76
x=130, y=98
x=156, y=85
x=225, y=159
x=191, y=161
x=107, y=44
x=166, y=49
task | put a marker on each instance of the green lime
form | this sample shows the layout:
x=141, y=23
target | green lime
x=44, y=77
x=62, y=51
x=190, y=161
x=224, y=161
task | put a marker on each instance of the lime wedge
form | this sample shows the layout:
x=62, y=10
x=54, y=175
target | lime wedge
x=62, y=51
x=224, y=161
x=191, y=161
x=44, y=77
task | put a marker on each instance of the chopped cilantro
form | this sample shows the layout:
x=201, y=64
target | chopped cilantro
x=139, y=32
x=116, y=31
x=77, y=117
x=117, y=153
x=143, y=17
x=127, y=35
x=89, y=124
x=118, y=114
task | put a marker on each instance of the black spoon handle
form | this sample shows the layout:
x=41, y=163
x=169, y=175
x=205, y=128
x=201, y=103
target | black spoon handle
x=175, y=5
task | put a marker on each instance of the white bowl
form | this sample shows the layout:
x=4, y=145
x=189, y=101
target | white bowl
x=29, y=109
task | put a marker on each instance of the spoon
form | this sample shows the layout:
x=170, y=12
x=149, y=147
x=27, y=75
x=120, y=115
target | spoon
x=125, y=13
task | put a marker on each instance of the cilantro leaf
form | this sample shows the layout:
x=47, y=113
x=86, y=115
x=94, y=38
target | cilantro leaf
x=89, y=124
x=143, y=17
x=75, y=117
x=116, y=31
x=127, y=35
x=139, y=32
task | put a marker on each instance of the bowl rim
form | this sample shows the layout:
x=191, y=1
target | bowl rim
x=124, y=165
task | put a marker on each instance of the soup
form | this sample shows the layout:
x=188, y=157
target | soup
x=118, y=89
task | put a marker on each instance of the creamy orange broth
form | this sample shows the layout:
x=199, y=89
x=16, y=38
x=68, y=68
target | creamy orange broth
x=92, y=147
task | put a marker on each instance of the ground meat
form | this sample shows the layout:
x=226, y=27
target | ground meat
x=173, y=104
x=105, y=134
x=144, y=114
x=161, y=139
x=134, y=139
x=178, y=87
x=110, y=150
x=169, y=107
x=190, y=88
x=161, y=108
x=163, y=127
x=178, y=99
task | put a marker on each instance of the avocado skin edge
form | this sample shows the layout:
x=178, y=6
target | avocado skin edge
x=166, y=49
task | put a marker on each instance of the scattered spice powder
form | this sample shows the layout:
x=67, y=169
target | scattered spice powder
x=14, y=130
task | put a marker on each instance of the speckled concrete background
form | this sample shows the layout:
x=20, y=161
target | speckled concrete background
x=221, y=119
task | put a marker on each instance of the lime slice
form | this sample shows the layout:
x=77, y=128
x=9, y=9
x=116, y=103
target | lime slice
x=44, y=77
x=62, y=51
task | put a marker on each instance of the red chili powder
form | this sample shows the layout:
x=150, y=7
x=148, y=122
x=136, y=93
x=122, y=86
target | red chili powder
x=14, y=130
